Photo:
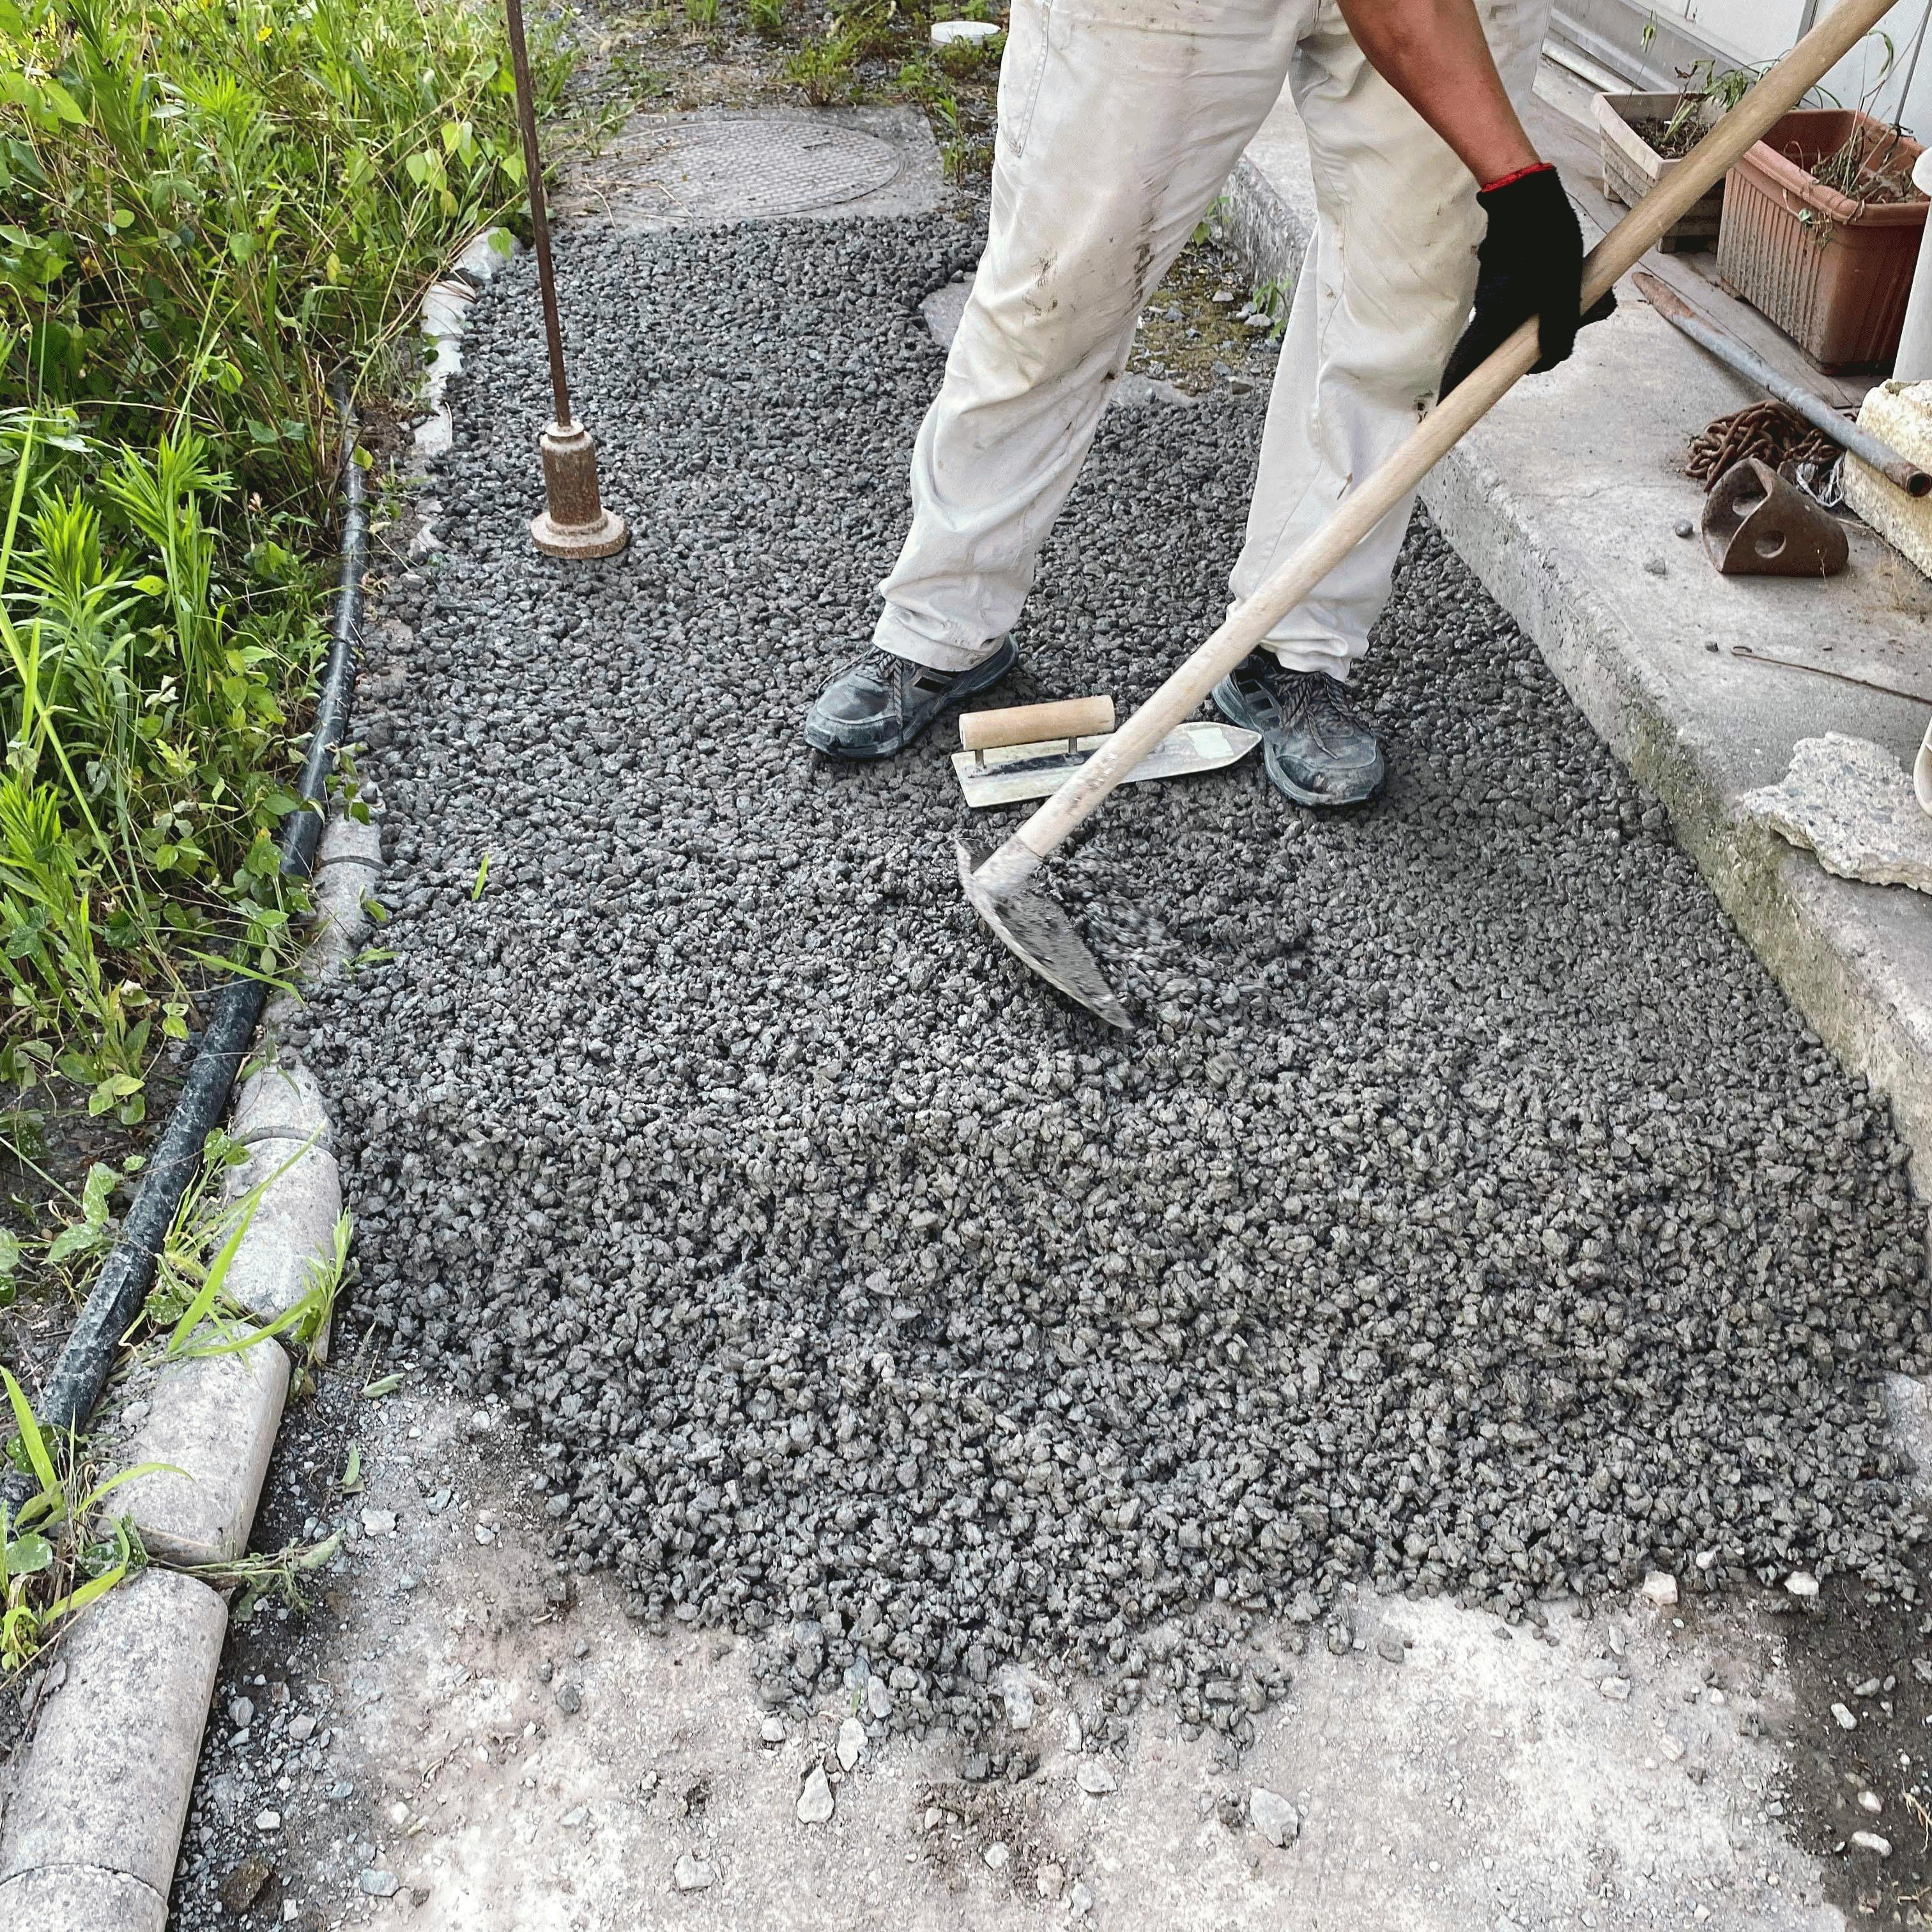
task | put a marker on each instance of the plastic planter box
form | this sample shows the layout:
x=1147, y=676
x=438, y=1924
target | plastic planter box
x=1632, y=167
x=1832, y=273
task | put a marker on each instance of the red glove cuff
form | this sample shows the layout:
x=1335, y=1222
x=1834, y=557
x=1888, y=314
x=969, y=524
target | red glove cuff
x=1503, y=181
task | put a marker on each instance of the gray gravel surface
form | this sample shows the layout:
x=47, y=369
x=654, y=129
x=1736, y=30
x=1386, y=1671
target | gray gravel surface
x=1468, y=1214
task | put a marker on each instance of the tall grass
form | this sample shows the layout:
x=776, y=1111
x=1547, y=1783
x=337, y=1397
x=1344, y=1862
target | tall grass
x=209, y=209
x=220, y=203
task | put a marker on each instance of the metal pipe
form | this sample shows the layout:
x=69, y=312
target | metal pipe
x=1808, y=403
x=526, y=119
x=114, y=1301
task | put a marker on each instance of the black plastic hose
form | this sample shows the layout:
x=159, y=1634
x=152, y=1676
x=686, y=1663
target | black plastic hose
x=78, y=1377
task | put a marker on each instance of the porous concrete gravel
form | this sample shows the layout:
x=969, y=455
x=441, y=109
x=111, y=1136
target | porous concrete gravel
x=1468, y=1212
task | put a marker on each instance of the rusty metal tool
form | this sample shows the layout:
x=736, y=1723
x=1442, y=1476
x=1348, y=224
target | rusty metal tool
x=1003, y=889
x=574, y=523
x=1030, y=751
x=1807, y=403
x=1757, y=524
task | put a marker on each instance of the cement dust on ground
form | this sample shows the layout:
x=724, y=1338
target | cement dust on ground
x=485, y=1757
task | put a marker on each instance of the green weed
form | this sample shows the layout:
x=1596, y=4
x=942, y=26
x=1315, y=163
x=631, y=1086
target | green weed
x=52, y=1564
x=825, y=70
x=189, y=1306
x=222, y=204
x=274, y=1575
x=207, y=209
x=1272, y=299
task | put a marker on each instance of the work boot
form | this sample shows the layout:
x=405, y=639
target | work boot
x=882, y=703
x=1315, y=745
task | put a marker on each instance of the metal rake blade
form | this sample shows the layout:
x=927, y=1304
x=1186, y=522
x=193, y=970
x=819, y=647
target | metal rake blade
x=1037, y=933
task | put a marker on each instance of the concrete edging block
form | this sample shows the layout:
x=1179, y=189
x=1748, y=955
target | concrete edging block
x=80, y=1898
x=211, y=1421
x=293, y=1227
x=281, y=1102
x=105, y=1783
x=350, y=841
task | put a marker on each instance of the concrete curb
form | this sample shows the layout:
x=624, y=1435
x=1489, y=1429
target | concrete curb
x=445, y=310
x=96, y=1820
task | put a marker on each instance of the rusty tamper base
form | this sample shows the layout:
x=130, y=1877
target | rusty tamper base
x=576, y=522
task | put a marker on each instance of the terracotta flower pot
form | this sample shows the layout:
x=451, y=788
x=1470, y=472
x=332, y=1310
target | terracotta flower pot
x=1632, y=167
x=1832, y=272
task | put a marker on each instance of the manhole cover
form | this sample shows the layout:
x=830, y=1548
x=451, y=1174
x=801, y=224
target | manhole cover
x=709, y=170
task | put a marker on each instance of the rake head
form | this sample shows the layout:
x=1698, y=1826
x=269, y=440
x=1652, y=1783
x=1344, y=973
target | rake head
x=1036, y=932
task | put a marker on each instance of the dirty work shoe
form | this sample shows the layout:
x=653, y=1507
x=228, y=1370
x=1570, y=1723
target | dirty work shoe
x=882, y=703
x=1315, y=745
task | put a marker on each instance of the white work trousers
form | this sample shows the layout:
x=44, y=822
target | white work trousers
x=1119, y=123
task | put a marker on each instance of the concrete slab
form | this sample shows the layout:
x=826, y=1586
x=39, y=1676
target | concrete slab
x=1565, y=501
x=669, y=170
x=507, y=1760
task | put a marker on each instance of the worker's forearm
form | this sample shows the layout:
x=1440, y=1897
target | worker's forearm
x=1433, y=54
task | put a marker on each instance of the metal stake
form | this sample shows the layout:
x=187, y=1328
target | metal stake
x=575, y=523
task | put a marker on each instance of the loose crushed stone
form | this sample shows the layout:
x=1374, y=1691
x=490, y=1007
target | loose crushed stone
x=1468, y=1212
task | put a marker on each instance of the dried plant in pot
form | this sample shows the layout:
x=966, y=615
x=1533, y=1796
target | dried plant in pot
x=1821, y=230
x=1644, y=137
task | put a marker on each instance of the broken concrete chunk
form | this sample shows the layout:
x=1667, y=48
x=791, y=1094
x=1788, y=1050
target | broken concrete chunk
x=1273, y=1817
x=814, y=1801
x=1850, y=801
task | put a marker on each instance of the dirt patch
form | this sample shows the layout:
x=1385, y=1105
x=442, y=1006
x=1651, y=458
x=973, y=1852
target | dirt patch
x=704, y=54
x=1860, y=1795
x=49, y=1144
x=1207, y=320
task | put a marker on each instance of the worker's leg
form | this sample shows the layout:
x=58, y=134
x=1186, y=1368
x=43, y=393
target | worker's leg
x=1382, y=299
x=1119, y=122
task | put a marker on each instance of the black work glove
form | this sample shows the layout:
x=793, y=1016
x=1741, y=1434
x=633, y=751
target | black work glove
x=1531, y=263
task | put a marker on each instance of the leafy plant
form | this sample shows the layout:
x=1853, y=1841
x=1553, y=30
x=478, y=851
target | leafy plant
x=207, y=209
x=766, y=17
x=218, y=204
x=825, y=68
x=1272, y=299
x=276, y=1574
x=89, y=1235
x=189, y=1305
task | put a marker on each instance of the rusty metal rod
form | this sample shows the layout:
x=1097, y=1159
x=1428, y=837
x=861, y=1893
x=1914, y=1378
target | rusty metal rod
x=526, y=118
x=1808, y=403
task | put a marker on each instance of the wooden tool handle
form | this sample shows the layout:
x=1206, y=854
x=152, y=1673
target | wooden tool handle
x=1384, y=490
x=1031, y=723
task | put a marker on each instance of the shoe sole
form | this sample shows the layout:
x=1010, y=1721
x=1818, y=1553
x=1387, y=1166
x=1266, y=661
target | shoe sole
x=981, y=677
x=1228, y=702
